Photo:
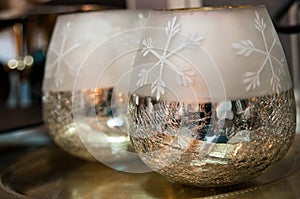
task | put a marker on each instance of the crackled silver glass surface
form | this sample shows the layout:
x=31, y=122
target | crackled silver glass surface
x=81, y=71
x=212, y=102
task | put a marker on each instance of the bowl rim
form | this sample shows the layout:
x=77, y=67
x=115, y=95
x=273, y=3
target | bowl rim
x=215, y=8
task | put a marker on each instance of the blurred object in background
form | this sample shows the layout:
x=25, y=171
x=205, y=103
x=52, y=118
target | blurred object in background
x=12, y=8
x=18, y=68
x=22, y=56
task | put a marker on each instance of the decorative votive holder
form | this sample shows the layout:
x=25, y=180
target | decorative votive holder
x=212, y=102
x=81, y=70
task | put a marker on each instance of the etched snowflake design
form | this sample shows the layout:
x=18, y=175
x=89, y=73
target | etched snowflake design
x=132, y=38
x=142, y=19
x=247, y=47
x=54, y=68
x=184, y=75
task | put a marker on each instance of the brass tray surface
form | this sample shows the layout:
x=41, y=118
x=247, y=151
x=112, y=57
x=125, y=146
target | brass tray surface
x=50, y=173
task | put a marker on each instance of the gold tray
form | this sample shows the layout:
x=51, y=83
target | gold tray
x=51, y=173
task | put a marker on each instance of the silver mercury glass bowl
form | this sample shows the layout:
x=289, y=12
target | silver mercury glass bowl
x=212, y=102
x=77, y=100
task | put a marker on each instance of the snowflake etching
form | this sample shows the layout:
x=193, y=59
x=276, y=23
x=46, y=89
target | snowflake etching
x=54, y=69
x=130, y=38
x=142, y=19
x=183, y=75
x=247, y=47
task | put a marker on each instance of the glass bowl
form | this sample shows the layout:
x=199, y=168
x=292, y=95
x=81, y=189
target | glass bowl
x=211, y=99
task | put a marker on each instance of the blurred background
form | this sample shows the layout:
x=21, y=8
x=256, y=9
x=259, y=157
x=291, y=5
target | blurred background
x=26, y=27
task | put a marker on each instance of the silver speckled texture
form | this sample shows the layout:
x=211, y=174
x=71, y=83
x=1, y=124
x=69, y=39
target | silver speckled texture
x=213, y=144
x=94, y=109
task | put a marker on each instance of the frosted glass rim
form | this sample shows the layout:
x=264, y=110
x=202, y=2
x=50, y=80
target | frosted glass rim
x=215, y=8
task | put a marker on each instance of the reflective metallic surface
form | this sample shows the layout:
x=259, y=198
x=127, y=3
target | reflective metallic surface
x=213, y=144
x=50, y=173
x=94, y=120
